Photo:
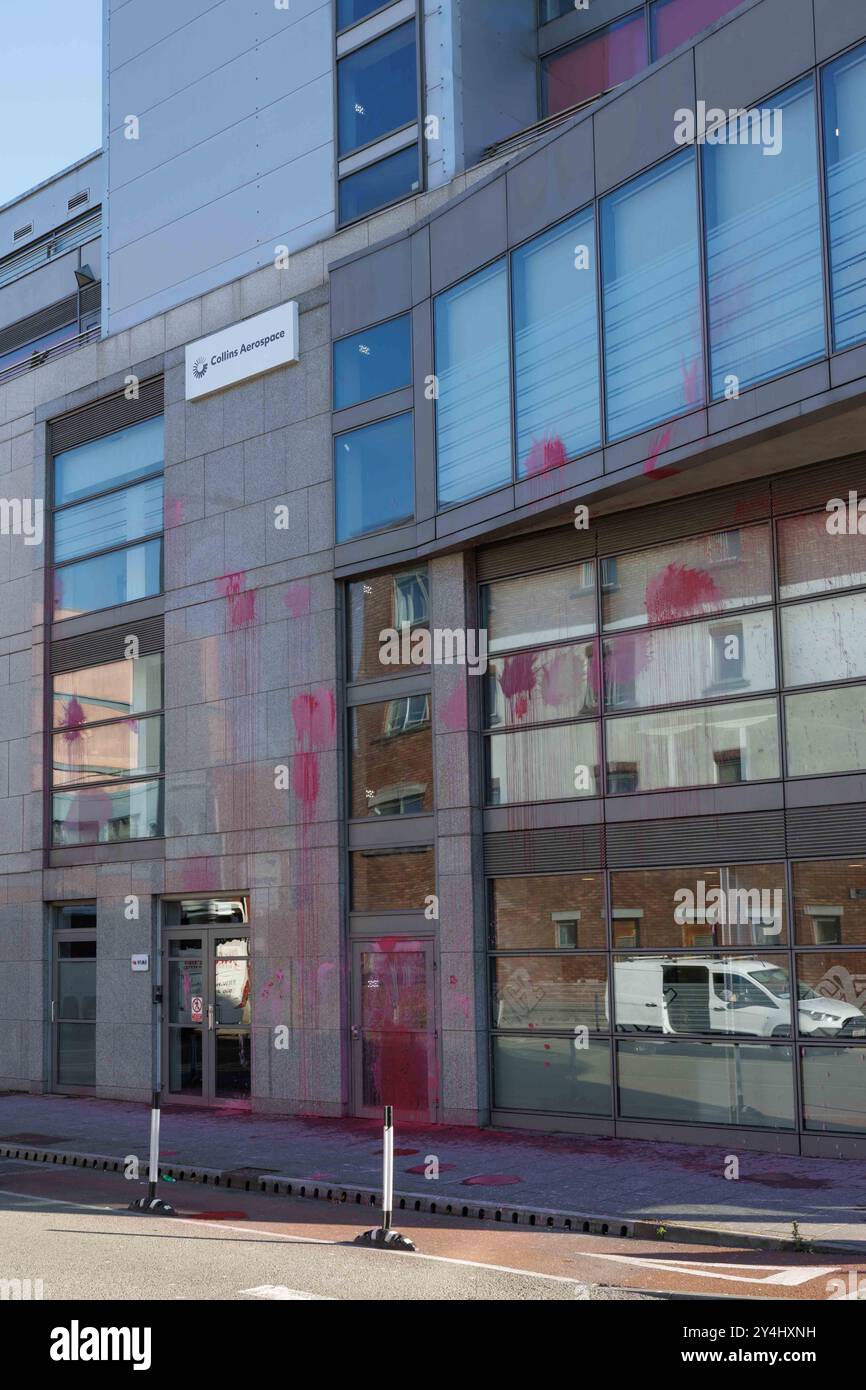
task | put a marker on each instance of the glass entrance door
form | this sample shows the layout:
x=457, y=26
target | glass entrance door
x=207, y=1014
x=394, y=1038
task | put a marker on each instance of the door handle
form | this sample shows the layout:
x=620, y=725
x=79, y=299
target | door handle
x=210, y=1018
x=52, y=1010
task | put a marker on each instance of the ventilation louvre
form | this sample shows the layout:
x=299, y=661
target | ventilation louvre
x=104, y=417
x=697, y=839
x=553, y=851
x=78, y=199
x=819, y=831
x=814, y=487
x=94, y=648
x=36, y=325
x=22, y=232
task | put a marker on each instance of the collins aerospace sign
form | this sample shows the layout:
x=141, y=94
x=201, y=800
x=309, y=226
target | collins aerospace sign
x=246, y=349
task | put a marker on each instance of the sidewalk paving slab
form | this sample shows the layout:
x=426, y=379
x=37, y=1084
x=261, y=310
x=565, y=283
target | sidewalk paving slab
x=540, y=1178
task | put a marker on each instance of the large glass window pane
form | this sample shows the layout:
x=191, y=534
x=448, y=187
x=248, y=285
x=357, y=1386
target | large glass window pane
x=548, y=912
x=373, y=362
x=750, y=1084
x=703, y=995
x=814, y=560
x=830, y=903
x=375, y=484
x=555, y=318
x=834, y=1089
x=764, y=261
x=76, y=1054
x=826, y=731
x=550, y=992
x=351, y=11
x=377, y=88
x=377, y=185
x=380, y=603
x=119, y=577
x=688, y=578
x=107, y=462
x=102, y=815
x=392, y=880
x=711, y=905
x=121, y=516
x=552, y=9
x=654, y=365
x=825, y=641
x=95, y=752
x=693, y=661
x=595, y=64
x=535, y=687
x=710, y=746
x=540, y=608
x=831, y=988
x=473, y=425
x=676, y=21
x=76, y=983
x=543, y=764
x=845, y=155
x=78, y=915
x=552, y=1074
x=119, y=688
x=391, y=757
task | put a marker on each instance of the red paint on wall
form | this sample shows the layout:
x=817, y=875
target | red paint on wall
x=297, y=600
x=658, y=446
x=241, y=602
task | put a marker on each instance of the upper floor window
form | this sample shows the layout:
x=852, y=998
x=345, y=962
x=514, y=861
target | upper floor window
x=595, y=64
x=381, y=604
x=108, y=520
x=844, y=93
x=374, y=477
x=673, y=22
x=353, y=11
x=373, y=362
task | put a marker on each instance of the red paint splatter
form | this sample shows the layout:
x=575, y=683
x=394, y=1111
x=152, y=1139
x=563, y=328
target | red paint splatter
x=658, y=446
x=314, y=718
x=400, y=1153
x=679, y=592
x=452, y=710
x=543, y=455
x=241, y=602
x=218, y=1216
x=491, y=1180
x=73, y=717
x=297, y=600
x=517, y=680
x=691, y=388
x=173, y=512
x=557, y=686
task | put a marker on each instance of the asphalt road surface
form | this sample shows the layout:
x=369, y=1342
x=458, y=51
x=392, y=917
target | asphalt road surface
x=70, y=1228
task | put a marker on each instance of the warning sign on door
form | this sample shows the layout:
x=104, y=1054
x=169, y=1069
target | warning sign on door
x=196, y=1008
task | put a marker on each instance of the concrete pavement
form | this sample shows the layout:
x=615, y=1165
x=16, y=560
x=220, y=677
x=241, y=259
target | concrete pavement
x=633, y=1187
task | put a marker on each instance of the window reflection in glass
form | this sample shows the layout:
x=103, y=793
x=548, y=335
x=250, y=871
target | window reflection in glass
x=698, y=747
x=391, y=757
x=548, y=912
x=690, y=578
x=391, y=880
x=540, y=608
x=94, y=753
x=543, y=764
x=825, y=641
x=711, y=905
x=376, y=185
x=109, y=461
x=121, y=516
x=551, y=1074
x=380, y=603
x=103, y=815
x=116, y=689
x=830, y=902
x=534, y=687
x=672, y=665
x=812, y=560
x=378, y=88
x=834, y=1089
x=703, y=995
x=122, y=576
x=826, y=731
x=832, y=994
x=374, y=476
x=845, y=150
x=373, y=362
x=550, y=992
x=745, y=1084
x=595, y=64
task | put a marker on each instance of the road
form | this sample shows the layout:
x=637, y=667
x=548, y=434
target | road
x=70, y=1228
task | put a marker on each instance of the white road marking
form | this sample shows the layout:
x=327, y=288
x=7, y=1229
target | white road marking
x=784, y=1274
x=279, y=1291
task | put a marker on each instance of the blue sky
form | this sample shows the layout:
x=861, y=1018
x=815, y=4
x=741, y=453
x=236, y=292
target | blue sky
x=50, y=88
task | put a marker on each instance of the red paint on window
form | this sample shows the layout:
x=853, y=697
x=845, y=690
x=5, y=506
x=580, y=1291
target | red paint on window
x=595, y=65
x=543, y=455
x=680, y=592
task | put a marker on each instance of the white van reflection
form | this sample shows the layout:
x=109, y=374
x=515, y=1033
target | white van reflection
x=748, y=997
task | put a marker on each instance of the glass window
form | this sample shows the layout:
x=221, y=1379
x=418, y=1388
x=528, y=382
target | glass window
x=698, y=747
x=548, y=912
x=109, y=521
x=535, y=687
x=114, y=459
x=834, y=1089
x=375, y=483
x=765, y=293
x=540, y=608
x=594, y=65
x=552, y=9
x=750, y=1084
x=845, y=156
x=376, y=185
x=392, y=880
x=692, y=661
x=552, y=1074
x=699, y=907
x=373, y=363
x=122, y=576
x=473, y=425
x=825, y=641
x=555, y=318
x=543, y=764
x=77, y=915
x=94, y=753
x=377, y=88
x=654, y=367
x=351, y=11
x=380, y=603
x=814, y=560
x=831, y=990
x=117, y=689
x=550, y=992
x=826, y=731
x=103, y=815
x=391, y=757
x=703, y=995
x=830, y=903
x=676, y=21
x=690, y=578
